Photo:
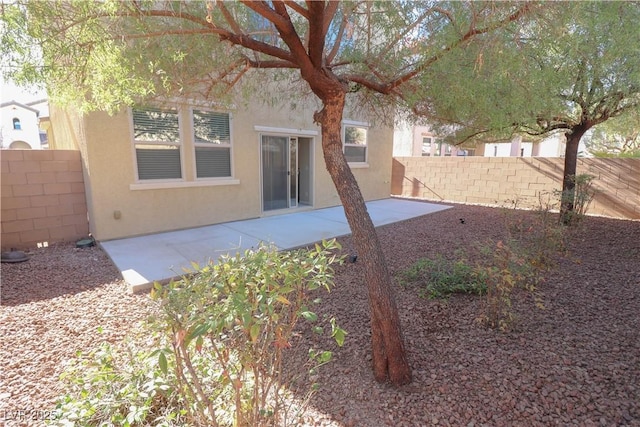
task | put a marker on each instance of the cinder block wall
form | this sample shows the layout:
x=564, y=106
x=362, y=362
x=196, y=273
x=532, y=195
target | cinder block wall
x=43, y=198
x=498, y=180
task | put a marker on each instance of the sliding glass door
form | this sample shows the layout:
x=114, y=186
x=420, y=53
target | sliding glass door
x=279, y=172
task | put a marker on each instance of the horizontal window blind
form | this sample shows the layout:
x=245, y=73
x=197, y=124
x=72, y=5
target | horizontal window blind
x=211, y=127
x=355, y=154
x=213, y=162
x=158, y=163
x=152, y=124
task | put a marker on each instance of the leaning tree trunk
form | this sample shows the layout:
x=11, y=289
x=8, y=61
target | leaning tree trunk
x=389, y=356
x=567, y=200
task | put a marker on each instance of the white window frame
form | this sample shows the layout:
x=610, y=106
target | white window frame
x=431, y=141
x=178, y=144
x=356, y=124
x=210, y=145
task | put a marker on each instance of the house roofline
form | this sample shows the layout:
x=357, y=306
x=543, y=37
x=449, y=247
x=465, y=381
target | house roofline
x=26, y=107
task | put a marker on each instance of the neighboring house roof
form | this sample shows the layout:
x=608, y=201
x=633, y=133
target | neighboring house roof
x=17, y=104
x=19, y=126
x=37, y=101
x=42, y=105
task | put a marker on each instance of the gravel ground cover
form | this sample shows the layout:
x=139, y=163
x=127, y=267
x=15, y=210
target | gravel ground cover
x=575, y=363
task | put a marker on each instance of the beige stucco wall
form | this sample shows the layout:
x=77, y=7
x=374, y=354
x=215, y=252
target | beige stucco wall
x=120, y=207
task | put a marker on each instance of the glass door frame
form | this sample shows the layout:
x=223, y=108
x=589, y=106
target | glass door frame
x=291, y=155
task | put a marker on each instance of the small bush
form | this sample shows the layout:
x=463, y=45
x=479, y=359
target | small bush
x=507, y=268
x=578, y=199
x=231, y=325
x=530, y=248
x=119, y=387
x=215, y=355
x=439, y=277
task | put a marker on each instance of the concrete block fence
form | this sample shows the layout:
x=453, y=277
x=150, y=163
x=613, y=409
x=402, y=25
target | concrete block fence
x=43, y=198
x=498, y=180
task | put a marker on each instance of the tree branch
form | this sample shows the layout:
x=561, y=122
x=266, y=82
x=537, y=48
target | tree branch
x=270, y=63
x=228, y=17
x=472, y=32
x=338, y=42
x=408, y=29
x=329, y=14
x=298, y=53
x=207, y=27
x=262, y=8
x=316, y=32
x=164, y=33
x=295, y=6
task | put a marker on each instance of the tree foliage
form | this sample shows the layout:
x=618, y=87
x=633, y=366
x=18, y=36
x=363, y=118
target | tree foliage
x=569, y=69
x=618, y=137
x=574, y=65
x=105, y=55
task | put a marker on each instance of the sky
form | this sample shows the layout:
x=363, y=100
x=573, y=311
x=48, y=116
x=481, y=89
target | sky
x=11, y=92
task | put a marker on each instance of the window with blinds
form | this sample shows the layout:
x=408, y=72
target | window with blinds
x=355, y=144
x=212, y=138
x=156, y=136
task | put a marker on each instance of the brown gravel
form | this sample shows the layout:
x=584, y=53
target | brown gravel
x=575, y=363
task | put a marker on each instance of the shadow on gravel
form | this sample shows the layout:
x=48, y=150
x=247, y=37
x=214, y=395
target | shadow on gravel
x=58, y=270
x=577, y=362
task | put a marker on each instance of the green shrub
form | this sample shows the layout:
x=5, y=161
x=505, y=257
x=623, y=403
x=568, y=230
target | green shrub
x=520, y=261
x=530, y=248
x=121, y=387
x=579, y=198
x=439, y=277
x=507, y=267
x=217, y=353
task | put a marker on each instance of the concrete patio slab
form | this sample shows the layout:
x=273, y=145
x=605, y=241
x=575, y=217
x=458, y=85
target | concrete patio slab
x=160, y=257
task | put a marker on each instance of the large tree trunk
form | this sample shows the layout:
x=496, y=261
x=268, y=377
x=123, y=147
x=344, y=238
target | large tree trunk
x=569, y=178
x=389, y=356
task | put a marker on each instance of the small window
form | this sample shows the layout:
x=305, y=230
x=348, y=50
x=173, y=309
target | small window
x=355, y=144
x=156, y=136
x=16, y=124
x=426, y=146
x=212, y=137
x=447, y=150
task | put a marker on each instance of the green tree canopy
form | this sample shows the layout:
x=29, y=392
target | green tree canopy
x=104, y=55
x=568, y=70
x=618, y=137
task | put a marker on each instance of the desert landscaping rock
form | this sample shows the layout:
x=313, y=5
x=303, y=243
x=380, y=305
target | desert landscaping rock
x=577, y=362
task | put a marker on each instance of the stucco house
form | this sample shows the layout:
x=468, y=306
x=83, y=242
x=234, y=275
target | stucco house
x=422, y=141
x=19, y=126
x=551, y=146
x=185, y=163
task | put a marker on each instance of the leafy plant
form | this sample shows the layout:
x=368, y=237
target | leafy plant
x=500, y=267
x=521, y=260
x=441, y=277
x=231, y=324
x=214, y=356
x=580, y=197
x=507, y=268
x=124, y=387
